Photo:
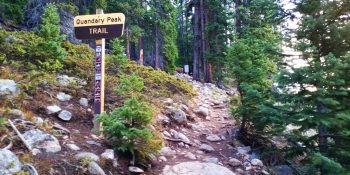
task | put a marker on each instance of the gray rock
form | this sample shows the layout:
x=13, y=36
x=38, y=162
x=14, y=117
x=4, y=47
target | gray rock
x=53, y=109
x=84, y=102
x=63, y=96
x=95, y=169
x=73, y=147
x=166, y=134
x=162, y=119
x=190, y=156
x=257, y=162
x=88, y=156
x=179, y=116
x=243, y=150
x=8, y=88
x=184, y=138
x=108, y=154
x=168, y=101
x=162, y=159
x=213, y=138
x=40, y=140
x=39, y=121
x=196, y=168
x=201, y=110
x=9, y=163
x=64, y=80
x=174, y=133
x=282, y=170
x=234, y=162
x=91, y=142
x=167, y=151
x=211, y=160
x=16, y=114
x=67, y=25
x=135, y=169
x=65, y=115
x=206, y=148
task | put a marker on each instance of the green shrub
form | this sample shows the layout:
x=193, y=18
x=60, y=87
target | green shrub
x=69, y=6
x=13, y=10
x=127, y=125
x=130, y=85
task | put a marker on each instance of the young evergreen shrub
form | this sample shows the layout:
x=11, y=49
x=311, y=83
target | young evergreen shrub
x=50, y=31
x=127, y=126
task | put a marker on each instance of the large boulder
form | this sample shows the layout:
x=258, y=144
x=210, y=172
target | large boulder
x=40, y=140
x=9, y=163
x=8, y=89
x=196, y=168
x=67, y=26
x=179, y=116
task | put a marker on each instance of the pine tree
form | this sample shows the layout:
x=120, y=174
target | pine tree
x=252, y=61
x=316, y=97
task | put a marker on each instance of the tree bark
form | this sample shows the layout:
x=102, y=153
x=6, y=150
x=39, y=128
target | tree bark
x=127, y=44
x=203, y=59
x=196, y=75
x=157, y=58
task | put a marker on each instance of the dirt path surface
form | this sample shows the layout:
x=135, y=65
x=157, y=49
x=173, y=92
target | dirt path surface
x=205, y=144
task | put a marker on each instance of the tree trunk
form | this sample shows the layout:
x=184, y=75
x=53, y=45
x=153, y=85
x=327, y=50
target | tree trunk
x=141, y=51
x=202, y=58
x=127, y=44
x=157, y=57
x=196, y=75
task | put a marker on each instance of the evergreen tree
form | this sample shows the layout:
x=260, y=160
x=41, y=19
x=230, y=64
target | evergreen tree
x=252, y=61
x=316, y=97
x=50, y=30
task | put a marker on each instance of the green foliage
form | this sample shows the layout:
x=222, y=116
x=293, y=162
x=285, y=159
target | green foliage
x=315, y=97
x=69, y=6
x=128, y=126
x=50, y=31
x=130, y=85
x=13, y=10
x=101, y=4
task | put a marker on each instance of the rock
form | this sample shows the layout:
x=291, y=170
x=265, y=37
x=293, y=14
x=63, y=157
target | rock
x=38, y=121
x=257, y=162
x=16, y=114
x=9, y=163
x=65, y=115
x=67, y=25
x=168, y=101
x=213, y=138
x=162, y=158
x=40, y=140
x=166, y=134
x=108, y=154
x=162, y=119
x=243, y=150
x=53, y=109
x=88, y=156
x=184, y=108
x=91, y=142
x=282, y=170
x=135, y=169
x=190, y=156
x=8, y=88
x=84, y=102
x=95, y=169
x=64, y=80
x=211, y=160
x=63, y=97
x=201, y=110
x=234, y=162
x=184, y=138
x=174, y=133
x=167, y=151
x=73, y=147
x=206, y=148
x=179, y=116
x=196, y=168
x=181, y=144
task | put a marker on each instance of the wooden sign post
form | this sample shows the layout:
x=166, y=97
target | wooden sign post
x=99, y=27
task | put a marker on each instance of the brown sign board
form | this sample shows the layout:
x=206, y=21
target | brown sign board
x=97, y=26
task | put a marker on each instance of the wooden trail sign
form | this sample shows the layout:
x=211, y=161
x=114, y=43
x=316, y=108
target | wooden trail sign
x=99, y=27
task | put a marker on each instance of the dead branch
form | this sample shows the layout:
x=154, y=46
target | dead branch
x=20, y=135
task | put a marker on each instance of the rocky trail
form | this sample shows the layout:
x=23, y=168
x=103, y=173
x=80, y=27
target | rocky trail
x=206, y=144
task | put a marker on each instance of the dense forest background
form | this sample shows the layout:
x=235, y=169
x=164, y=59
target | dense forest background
x=239, y=43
